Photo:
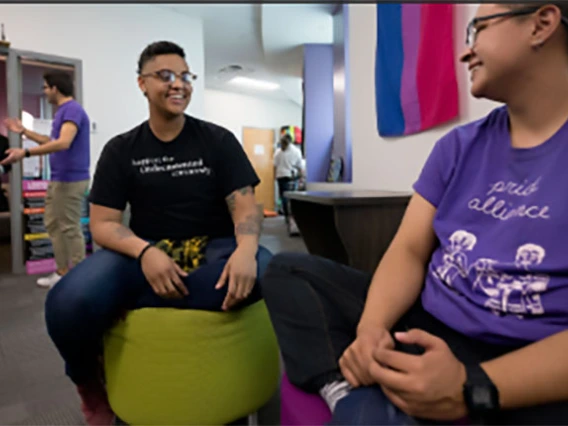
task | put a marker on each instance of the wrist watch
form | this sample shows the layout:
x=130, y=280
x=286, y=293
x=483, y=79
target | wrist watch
x=27, y=152
x=480, y=394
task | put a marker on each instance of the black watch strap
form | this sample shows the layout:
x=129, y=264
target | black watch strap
x=481, y=396
x=27, y=152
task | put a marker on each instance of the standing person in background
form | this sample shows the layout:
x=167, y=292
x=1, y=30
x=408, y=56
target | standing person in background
x=69, y=146
x=288, y=165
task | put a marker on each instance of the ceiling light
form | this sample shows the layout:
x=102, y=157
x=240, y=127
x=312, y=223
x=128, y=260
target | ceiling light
x=254, y=84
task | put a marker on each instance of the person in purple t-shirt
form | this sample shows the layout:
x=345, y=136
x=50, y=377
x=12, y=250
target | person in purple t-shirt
x=466, y=317
x=69, y=146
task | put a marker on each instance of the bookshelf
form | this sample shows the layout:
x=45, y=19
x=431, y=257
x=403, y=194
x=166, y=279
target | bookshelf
x=38, y=251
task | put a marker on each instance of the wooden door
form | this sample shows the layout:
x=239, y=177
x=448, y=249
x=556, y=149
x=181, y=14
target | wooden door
x=259, y=146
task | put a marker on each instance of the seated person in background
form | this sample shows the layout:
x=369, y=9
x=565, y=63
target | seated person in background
x=194, y=230
x=466, y=316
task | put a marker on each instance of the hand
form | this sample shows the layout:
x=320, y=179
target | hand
x=240, y=273
x=427, y=386
x=358, y=357
x=14, y=125
x=163, y=274
x=14, y=155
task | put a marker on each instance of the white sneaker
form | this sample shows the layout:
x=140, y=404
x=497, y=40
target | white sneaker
x=49, y=281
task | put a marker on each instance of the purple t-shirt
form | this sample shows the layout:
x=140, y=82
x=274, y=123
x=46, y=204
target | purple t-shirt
x=71, y=165
x=500, y=271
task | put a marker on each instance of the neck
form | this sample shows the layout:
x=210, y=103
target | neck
x=166, y=128
x=63, y=99
x=539, y=109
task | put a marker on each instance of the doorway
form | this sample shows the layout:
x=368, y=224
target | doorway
x=259, y=147
x=28, y=179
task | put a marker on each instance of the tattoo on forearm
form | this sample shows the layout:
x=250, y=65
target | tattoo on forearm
x=231, y=202
x=231, y=199
x=250, y=226
x=246, y=190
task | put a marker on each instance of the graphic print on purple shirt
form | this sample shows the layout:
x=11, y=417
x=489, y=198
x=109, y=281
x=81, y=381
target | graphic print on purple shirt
x=71, y=165
x=500, y=271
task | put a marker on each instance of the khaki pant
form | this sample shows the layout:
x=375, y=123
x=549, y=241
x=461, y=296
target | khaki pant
x=62, y=219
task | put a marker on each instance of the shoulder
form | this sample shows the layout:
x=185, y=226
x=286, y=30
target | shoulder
x=213, y=131
x=126, y=140
x=74, y=107
x=465, y=137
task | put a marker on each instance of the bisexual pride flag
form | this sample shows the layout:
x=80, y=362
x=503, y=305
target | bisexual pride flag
x=415, y=77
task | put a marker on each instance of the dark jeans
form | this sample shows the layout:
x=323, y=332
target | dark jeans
x=315, y=306
x=88, y=300
x=284, y=184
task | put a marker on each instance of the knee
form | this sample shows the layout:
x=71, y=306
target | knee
x=65, y=305
x=280, y=270
x=50, y=223
x=71, y=229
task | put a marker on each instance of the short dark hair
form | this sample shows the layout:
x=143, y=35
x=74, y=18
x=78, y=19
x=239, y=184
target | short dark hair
x=158, y=48
x=62, y=80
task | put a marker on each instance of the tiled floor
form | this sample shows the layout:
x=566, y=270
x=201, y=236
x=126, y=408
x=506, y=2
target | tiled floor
x=33, y=387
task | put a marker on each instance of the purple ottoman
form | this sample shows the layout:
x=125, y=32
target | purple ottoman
x=298, y=408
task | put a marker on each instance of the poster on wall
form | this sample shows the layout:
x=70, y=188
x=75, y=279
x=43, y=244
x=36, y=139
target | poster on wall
x=43, y=127
x=31, y=166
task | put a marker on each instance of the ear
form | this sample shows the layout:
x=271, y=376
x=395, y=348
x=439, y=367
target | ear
x=547, y=20
x=142, y=85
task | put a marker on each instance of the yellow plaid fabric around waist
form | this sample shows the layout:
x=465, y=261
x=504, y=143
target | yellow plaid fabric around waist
x=188, y=254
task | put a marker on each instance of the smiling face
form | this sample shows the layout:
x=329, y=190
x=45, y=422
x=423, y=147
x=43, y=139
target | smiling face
x=501, y=55
x=168, y=96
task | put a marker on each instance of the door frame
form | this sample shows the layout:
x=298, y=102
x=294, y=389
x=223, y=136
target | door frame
x=14, y=81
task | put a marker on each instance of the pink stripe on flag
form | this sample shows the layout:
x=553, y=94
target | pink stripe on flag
x=436, y=77
x=410, y=44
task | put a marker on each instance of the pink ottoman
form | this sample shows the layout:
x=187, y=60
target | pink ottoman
x=298, y=408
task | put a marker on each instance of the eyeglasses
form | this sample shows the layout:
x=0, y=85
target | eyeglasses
x=472, y=30
x=168, y=76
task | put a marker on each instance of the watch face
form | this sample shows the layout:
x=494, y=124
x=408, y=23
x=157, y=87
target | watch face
x=481, y=398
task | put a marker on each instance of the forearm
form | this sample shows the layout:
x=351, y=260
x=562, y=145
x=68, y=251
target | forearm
x=248, y=225
x=534, y=375
x=36, y=137
x=395, y=287
x=49, y=147
x=117, y=237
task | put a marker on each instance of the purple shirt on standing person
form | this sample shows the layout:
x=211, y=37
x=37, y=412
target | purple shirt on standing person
x=500, y=273
x=71, y=165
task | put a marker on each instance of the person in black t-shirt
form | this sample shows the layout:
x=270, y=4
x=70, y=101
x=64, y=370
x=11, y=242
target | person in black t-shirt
x=194, y=229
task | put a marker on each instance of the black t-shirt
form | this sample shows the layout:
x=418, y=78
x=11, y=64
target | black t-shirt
x=175, y=189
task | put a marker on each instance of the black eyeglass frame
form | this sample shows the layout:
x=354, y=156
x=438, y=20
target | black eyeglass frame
x=471, y=30
x=169, y=76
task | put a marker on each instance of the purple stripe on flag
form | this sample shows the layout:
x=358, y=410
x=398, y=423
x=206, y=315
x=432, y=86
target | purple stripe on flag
x=411, y=43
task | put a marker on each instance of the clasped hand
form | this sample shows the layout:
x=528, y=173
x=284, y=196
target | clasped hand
x=427, y=386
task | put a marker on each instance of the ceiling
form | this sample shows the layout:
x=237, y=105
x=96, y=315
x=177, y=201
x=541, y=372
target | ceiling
x=264, y=39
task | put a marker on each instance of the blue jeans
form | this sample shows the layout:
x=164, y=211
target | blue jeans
x=369, y=406
x=88, y=300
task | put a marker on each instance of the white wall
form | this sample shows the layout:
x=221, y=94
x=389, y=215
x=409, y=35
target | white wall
x=394, y=163
x=108, y=39
x=235, y=111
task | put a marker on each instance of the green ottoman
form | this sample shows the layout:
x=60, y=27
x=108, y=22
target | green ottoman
x=182, y=367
